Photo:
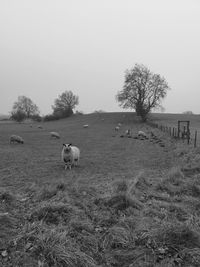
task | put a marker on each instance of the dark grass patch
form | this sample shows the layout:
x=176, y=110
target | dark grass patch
x=175, y=176
x=170, y=189
x=192, y=189
x=53, y=213
x=7, y=197
x=46, y=193
x=153, y=213
x=121, y=202
x=176, y=211
x=138, y=257
x=191, y=171
x=82, y=226
x=61, y=186
x=178, y=236
x=120, y=186
x=119, y=237
x=190, y=257
x=104, y=218
x=163, y=196
x=8, y=226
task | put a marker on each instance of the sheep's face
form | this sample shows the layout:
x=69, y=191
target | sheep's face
x=67, y=148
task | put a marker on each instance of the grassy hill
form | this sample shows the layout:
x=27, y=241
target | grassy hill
x=131, y=202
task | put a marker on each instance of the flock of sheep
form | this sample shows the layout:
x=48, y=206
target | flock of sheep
x=70, y=154
x=141, y=135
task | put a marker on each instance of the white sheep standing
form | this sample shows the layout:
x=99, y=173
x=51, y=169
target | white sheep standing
x=16, y=138
x=70, y=155
x=85, y=126
x=117, y=128
x=55, y=135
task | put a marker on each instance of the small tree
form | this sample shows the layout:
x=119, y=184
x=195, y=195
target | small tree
x=64, y=104
x=26, y=106
x=142, y=91
x=18, y=116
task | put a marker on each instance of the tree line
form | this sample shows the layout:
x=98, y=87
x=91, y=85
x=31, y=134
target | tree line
x=143, y=91
x=25, y=108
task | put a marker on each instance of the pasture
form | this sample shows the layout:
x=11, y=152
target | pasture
x=130, y=202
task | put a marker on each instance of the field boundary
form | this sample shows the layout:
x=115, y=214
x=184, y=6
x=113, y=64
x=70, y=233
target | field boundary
x=173, y=133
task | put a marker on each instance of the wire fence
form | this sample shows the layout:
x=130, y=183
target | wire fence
x=174, y=133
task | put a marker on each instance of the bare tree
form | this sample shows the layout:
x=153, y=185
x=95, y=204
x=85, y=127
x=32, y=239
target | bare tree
x=64, y=104
x=142, y=91
x=24, y=105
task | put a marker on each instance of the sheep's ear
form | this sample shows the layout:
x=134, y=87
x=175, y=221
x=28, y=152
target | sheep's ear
x=64, y=145
x=69, y=144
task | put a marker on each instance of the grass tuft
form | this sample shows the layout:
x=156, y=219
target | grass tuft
x=47, y=193
x=122, y=202
x=53, y=213
x=178, y=236
x=56, y=249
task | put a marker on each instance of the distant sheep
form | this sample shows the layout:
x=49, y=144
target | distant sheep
x=70, y=155
x=142, y=134
x=128, y=132
x=85, y=126
x=119, y=124
x=40, y=127
x=15, y=138
x=117, y=128
x=55, y=135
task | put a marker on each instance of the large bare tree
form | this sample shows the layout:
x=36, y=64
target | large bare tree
x=64, y=104
x=142, y=90
x=24, y=105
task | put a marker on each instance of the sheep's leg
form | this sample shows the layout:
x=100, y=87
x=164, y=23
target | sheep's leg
x=76, y=161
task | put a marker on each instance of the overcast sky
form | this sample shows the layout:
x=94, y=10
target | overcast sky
x=49, y=46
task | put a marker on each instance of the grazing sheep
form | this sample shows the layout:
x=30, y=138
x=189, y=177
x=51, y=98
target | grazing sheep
x=15, y=138
x=117, y=128
x=85, y=126
x=55, y=135
x=119, y=124
x=142, y=134
x=40, y=127
x=70, y=155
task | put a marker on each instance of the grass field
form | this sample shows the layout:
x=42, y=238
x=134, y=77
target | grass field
x=130, y=202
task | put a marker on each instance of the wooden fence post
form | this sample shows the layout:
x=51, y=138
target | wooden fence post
x=195, y=139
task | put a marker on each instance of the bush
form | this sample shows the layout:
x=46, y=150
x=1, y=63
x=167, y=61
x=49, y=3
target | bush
x=36, y=117
x=63, y=113
x=18, y=116
x=50, y=117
